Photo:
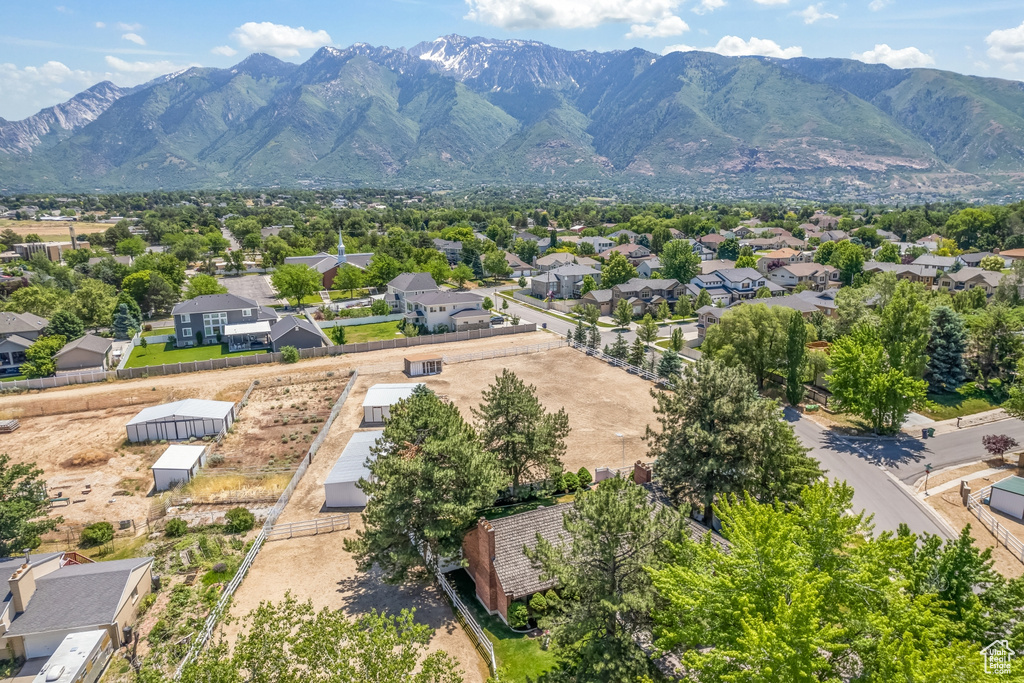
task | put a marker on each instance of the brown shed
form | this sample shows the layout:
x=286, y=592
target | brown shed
x=425, y=364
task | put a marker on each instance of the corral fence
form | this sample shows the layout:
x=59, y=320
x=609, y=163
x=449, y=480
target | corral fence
x=989, y=521
x=309, y=527
x=261, y=358
x=502, y=353
x=268, y=526
x=465, y=617
x=643, y=373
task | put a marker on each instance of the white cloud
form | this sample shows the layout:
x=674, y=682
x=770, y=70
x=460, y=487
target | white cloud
x=904, y=58
x=520, y=14
x=134, y=38
x=25, y=91
x=1006, y=45
x=133, y=73
x=224, y=50
x=707, y=6
x=878, y=5
x=278, y=39
x=772, y=2
x=669, y=26
x=100, y=24
x=813, y=13
x=121, y=26
x=734, y=46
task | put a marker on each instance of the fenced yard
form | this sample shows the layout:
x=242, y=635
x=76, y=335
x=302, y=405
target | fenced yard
x=991, y=522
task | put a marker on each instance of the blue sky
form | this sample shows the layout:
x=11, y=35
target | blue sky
x=48, y=52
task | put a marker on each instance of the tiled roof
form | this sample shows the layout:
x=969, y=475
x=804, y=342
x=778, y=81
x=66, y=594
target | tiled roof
x=213, y=303
x=286, y=325
x=89, y=342
x=16, y=323
x=991, y=277
x=413, y=282
x=514, y=533
x=445, y=297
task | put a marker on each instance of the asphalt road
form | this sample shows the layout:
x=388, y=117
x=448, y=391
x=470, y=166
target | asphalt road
x=875, y=492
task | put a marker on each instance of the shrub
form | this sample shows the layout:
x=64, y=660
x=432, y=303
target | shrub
x=570, y=482
x=147, y=601
x=584, y=476
x=518, y=615
x=220, y=567
x=216, y=459
x=289, y=354
x=240, y=520
x=538, y=605
x=554, y=602
x=176, y=528
x=97, y=534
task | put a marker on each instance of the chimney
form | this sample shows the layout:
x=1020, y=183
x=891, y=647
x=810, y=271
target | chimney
x=71, y=229
x=22, y=585
x=641, y=473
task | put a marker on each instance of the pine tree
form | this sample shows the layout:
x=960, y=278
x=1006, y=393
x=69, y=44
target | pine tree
x=946, y=347
x=796, y=351
x=620, y=348
x=670, y=364
x=594, y=339
x=677, y=342
x=636, y=353
x=580, y=335
x=703, y=299
x=123, y=322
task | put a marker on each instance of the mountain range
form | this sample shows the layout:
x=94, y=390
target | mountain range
x=469, y=111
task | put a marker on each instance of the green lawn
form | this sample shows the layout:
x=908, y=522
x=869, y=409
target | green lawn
x=11, y=378
x=506, y=510
x=521, y=656
x=355, y=334
x=344, y=294
x=163, y=354
x=158, y=331
x=947, y=406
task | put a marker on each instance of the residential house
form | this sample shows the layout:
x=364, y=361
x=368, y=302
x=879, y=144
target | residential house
x=648, y=266
x=51, y=595
x=599, y=243
x=563, y=282
x=974, y=260
x=740, y=283
x=407, y=285
x=618, y=233
x=633, y=252
x=711, y=266
x=806, y=302
x=969, y=278
x=209, y=318
x=823, y=221
x=703, y=251
x=774, y=242
x=816, y=275
x=559, y=259
x=88, y=351
x=940, y=262
x=602, y=298
x=926, y=275
x=124, y=260
x=1012, y=254
x=17, y=332
x=445, y=310
x=451, y=249
x=644, y=295
x=931, y=242
x=783, y=257
x=297, y=332
x=519, y=267
x=712, y=241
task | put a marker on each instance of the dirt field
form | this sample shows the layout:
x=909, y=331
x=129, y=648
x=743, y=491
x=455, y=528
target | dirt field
x=50, y=231
x=949, y=505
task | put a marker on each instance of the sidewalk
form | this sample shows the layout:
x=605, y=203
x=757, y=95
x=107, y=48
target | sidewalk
x=946, y=426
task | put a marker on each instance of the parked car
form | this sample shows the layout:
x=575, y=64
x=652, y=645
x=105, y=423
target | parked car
x=497, y=320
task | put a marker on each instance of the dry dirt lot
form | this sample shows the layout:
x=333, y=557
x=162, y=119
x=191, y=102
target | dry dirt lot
x=51, y=231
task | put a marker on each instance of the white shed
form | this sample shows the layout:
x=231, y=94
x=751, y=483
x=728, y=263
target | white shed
x=1008, y=497
x=178, y=463
x=380, y=398
x=340, y=488
x=181, y=420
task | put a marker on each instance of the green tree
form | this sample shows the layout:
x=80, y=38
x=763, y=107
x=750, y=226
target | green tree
x=967, y=226
x=763, y=293
x=664, y=312
x=678, y=262
x=133, y=246
x=337, y=334
x=23, y=507
x=676, y=342
x=796, y=353
x=587, y=312
x=746, y=261
x=124, y=321
x=296, y=281
x=684, y=307
x=670, y=364
x=619, y=348
x=614, y=536
x=39, y=356
x=637, y=351
x=290, y=642
x=865, y=383
x=889, y=253
x=849, y=259
x=623, y=313
x=461, y=274
x=718, y=437
x=93, y=303
x=41, y=301
x=703, y=299
x=137, y=285
x=239, y=520
x=274, y=251
x=617, y=270
x=995, y=344
x=496, y=266
x=429, y=478
x=729, y=249
x=993, y=263
x=380, y=307
x=589, y=285
x=647, y=332
x=752, y=336
x=202, y=285
x=65, y=324
x=903, y=329
x=235, y=262
x=527, y=441
x=347, y=279
x=381, y=270
x=947, y=343
x=289, y=354
x=97, y=533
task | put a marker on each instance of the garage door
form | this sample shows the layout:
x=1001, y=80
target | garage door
x=44, y=644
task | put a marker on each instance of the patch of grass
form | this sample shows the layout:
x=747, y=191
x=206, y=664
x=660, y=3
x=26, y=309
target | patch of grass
x=520, y=655
x=121, y=548
x=344, y=294
x=156, y=332
x=526, y=506
x=947, y=406
x=11, y=378
x=162, y=354
x=372, y=332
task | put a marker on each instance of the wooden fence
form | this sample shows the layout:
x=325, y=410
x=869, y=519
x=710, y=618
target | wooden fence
x=309, y=527
x=989, y=521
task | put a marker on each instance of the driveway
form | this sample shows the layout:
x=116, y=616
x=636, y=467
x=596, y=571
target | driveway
x=256, y=287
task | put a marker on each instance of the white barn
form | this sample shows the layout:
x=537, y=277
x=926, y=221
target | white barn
x=181, y=420
x=1008, y=497
x=380, y=398
x=340, y=488
x=179, y=463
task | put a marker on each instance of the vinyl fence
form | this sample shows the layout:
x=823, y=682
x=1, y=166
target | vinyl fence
x=502, y=353
x=617, y=362
x=465, y=617
x=989, y=521
x=268, y=526
x=260, y=359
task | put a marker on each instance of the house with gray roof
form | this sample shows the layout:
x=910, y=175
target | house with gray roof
x=451, y=249
x=445, y=310
x=645, y=294
x=297, y=332
x=974, y=260
x=740, y=283
x=564, y=282
x=88, y=351
x=54, y=594
x=559, y=259
x=968, y=278
x=210, y=318
x=406, y=285
x=914, y=272
x=17, y=332
x=940, y=262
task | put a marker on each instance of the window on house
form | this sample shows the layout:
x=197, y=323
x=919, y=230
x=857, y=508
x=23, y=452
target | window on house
x=246, y=312
x=213, y=323
x=135, y=595
x=185, y=318
x=186, y=332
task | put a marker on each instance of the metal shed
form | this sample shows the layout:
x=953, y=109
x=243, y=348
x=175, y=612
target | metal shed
x=380, y=398
x=340, y=490
x=179, y=463
x=1008, y=497
x=181, y=420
